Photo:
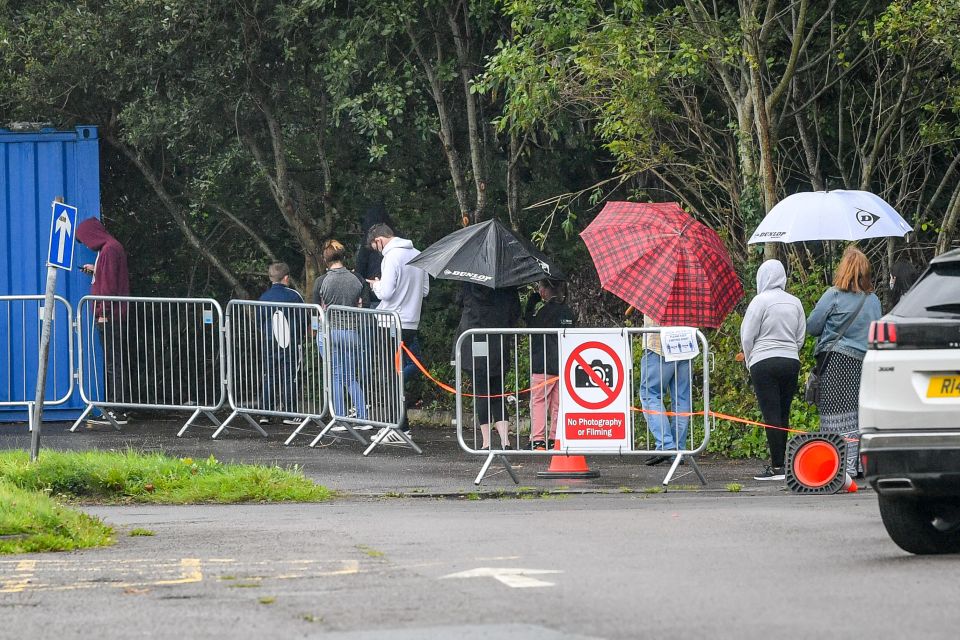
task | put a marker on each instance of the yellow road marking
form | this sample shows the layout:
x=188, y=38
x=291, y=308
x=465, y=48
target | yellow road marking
x=19, y=582
x=191, y=573
x=132, y=578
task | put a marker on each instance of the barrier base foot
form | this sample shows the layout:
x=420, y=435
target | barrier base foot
x=226, y=423
x=300, y=428
x=351, y=430
x=80, y=420
x=393, y=437
x=189, y=423
x=690, y=460
x=506, y=465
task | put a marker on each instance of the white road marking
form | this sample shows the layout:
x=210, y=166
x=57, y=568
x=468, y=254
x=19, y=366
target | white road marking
x=514, y=578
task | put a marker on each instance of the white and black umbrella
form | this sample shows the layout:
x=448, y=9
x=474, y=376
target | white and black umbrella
x=830, y=215
x=486, y=253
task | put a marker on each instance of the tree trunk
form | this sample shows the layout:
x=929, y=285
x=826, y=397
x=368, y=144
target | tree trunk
x=179, y=216
x=949, y=222
x=446, y=123
x=462, y=43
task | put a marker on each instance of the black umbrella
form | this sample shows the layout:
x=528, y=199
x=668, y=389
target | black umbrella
x=486, y=253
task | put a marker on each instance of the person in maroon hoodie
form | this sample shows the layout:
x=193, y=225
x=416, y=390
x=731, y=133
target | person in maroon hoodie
x=109, y=278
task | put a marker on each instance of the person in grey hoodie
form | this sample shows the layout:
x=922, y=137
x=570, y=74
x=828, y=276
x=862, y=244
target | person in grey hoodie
x=772, y=333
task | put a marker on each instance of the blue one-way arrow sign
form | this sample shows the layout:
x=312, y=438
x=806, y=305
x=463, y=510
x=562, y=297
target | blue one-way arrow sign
x=62, y=228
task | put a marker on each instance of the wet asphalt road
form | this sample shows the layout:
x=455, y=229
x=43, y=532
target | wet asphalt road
x=604, y=558
x=675, y=565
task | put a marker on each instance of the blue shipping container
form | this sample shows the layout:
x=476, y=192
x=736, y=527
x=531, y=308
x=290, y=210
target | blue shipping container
x=35, y=168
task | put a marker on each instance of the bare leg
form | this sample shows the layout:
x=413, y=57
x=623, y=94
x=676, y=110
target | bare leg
x=503, y=430
x=485, y=432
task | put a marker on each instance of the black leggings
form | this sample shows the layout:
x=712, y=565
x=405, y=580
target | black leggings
x=775, y=383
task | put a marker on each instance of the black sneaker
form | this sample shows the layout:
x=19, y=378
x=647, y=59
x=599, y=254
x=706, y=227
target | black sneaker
x=655, y=460
x=538, y=445
x=771, y=473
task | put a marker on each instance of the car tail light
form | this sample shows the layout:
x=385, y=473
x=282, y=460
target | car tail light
x=882, y=335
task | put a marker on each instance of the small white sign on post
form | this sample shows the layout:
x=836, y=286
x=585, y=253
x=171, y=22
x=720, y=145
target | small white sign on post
x=679, y=343
x=594, y=394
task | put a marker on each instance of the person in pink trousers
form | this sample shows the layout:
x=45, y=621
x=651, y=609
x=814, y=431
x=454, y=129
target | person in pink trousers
x=547, y=310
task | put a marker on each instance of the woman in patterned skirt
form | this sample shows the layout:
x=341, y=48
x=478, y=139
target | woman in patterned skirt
x=840, y=352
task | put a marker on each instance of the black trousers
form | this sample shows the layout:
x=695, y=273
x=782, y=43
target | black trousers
x=775, y=383
x=410, y=338
x=115, y=340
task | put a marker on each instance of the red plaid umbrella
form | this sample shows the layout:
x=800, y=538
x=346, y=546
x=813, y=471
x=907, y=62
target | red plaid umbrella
x=663, y=262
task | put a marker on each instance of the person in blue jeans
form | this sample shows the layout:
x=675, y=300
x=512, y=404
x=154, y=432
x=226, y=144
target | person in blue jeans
x=338, y=286
x=658, y=379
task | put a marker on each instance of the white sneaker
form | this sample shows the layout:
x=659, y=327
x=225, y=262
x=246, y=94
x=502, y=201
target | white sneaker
x=364, y=427
x=119, y=418
x=292, y=421
x=338, y=428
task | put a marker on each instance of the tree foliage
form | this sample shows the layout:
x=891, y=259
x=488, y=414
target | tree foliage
x=240, y=132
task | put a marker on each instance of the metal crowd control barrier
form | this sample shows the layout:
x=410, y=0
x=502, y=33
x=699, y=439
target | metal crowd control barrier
x=21, y=323
x=515, y=377
x=274, y=367
x=150, y=353
x=362, y=357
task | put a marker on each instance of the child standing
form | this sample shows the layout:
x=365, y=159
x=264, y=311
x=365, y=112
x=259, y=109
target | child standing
x=550, y=312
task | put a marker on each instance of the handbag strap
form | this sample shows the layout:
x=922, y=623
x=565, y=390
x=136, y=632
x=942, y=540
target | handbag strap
x=843, y=330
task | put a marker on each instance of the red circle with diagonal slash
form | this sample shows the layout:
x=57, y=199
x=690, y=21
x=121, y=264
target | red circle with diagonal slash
x=577, y=358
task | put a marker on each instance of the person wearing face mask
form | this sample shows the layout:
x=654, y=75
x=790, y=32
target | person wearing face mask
x=400, y=288
x=902, y=277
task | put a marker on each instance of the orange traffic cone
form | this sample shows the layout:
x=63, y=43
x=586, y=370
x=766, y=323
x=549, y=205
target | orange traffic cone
x=562, y=466
x=815, y=464
x=850, y=485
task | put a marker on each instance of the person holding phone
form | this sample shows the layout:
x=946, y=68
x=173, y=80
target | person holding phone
x=109, y=277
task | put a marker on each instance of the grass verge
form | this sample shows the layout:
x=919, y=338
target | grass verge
x=32, y=521
x=32, y=518
x=126, y=477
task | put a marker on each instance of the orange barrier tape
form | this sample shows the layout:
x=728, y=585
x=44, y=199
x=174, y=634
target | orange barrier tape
x=398, y=361
x=399, y=364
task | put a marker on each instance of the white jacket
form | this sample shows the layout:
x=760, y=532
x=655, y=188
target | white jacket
x=401, y=288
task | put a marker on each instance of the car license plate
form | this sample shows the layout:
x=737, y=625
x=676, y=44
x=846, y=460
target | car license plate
x=944, y=387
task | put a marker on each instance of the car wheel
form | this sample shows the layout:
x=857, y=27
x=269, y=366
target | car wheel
x=922, y=526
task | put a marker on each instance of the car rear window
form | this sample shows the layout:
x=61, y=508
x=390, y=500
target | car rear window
x=936, y=295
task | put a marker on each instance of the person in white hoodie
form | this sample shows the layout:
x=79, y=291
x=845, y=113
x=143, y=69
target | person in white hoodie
x=401, y=288
x=772, y=334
